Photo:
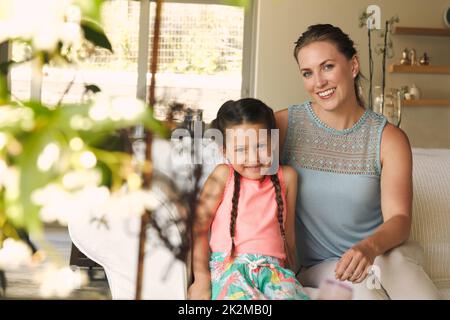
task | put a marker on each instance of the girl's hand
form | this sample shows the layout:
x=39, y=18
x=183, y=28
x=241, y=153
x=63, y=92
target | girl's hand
x=200, y=290
x=355, y=263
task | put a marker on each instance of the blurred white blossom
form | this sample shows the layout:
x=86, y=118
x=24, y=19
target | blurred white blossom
x=76, y=144
x=116, y=109
x=10, y=180
x=59, y=204
x=3, y=140
x=76, y=179
x=14, y=253
x=22, y=117
x=43, y=22
x=88, y=160
x=48, y=157
x=60, y=282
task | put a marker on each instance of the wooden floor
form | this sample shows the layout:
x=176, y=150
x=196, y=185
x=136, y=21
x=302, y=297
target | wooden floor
x=22, y=283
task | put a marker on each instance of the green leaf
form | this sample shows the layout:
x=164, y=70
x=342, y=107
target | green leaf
x=240, y=3
x=94, y=33
x=32, y=179
x=90, y=8
x=4, y=94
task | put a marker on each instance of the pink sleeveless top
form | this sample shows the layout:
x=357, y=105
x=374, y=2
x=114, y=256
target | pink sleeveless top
x=257, y=227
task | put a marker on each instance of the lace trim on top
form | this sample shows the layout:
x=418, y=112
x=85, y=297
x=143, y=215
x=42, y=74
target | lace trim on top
x=322, y=124
x=311, y=144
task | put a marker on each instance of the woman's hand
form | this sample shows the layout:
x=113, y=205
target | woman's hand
x=200, y=290
x=355, y=263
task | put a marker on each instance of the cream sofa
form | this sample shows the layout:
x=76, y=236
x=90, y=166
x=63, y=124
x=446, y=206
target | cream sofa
x=431, y=213
x=165, y=278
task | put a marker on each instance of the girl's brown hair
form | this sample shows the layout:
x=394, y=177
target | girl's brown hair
x=252, y=111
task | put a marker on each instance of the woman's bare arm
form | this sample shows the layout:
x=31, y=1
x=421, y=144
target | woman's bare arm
x=396, y=206
x=290, y=178
x=281, y=118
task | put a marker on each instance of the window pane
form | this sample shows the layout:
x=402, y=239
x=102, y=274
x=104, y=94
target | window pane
x=114, y=73
x=200, y=56
x=199, y=65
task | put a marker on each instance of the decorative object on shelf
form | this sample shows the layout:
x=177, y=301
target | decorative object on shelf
x=447, y=17
x=414, y=92
x=377, y=99
x=388, y=104
x=392, y=106
x=413, y=98
x=405, y=57
x=430, y=69
x=403, y=91
x=386, y=48
x=424, y=60
x=413, y=57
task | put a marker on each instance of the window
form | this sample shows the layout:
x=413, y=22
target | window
x=200, y=60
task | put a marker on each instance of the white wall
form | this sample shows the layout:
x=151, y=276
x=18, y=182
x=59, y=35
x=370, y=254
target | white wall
x=280, y=23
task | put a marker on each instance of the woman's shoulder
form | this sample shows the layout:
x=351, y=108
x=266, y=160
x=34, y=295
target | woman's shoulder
x=285, y=111
x=283, y=117
x=289, y=174
x=394, y=142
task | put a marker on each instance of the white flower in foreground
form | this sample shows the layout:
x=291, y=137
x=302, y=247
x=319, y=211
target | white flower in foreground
x=38, y=21
x=77, y=179
x=16, y=116
x=48, y=157
x=116, y=109
x=133, y=203
x=60, y=282
x=99, y=111
x=14, y=253
x=88, y=160
x=10, y=180
x=58, y=204
x=76, y=144
x=126, y=108
x=3, y=140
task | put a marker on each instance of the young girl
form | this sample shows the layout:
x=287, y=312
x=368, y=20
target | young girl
x=250, y=215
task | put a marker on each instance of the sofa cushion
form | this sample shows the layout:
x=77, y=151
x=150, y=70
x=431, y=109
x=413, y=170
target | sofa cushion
x=431, y=210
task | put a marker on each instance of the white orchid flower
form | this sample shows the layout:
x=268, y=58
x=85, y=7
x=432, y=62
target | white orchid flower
x=14, y=253
x=60, y=282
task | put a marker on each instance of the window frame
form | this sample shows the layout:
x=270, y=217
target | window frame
x=248, y=84
x=249, y=59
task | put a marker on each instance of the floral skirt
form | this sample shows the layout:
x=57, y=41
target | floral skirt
x=252, y=277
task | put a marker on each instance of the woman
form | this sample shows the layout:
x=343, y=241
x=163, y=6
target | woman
x=355, y=178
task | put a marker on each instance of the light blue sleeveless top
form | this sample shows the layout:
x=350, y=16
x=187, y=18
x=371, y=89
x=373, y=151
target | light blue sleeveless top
x=339, y=198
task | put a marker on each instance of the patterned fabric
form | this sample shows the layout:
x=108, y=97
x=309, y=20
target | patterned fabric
x=318, y=147
x=339, y=194
x=252, y=277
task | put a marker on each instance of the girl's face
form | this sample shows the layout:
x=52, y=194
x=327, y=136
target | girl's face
x=328, y=75
x=248, y=148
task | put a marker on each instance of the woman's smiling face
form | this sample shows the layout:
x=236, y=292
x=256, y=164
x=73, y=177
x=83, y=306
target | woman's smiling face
x=327, y=74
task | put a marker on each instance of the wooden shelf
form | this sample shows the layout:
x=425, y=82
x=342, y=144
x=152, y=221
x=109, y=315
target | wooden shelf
x=413, y=31
x=426, y=102
x=419, y=69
